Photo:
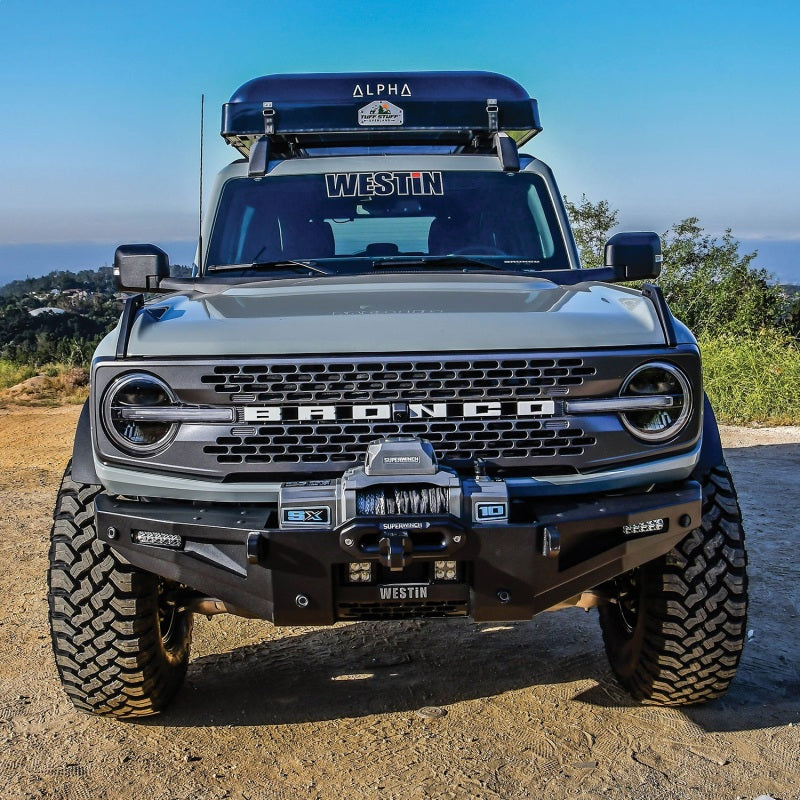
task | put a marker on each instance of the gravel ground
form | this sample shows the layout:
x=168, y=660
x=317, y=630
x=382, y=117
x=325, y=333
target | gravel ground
x=521, y=710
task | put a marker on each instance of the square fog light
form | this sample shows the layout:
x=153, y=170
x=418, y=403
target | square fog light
x=445, y=571
x=359, y=571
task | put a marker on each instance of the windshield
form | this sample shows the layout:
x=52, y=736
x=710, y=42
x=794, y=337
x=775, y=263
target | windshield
x=353, y=221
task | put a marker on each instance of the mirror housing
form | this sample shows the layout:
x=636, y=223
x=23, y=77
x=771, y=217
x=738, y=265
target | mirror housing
x=140, y=267
x=634, y=256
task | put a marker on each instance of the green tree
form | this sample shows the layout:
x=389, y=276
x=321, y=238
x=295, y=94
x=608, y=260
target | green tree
x=714, y=289
x=591, y=223
x=793, y=312
x=708, y=284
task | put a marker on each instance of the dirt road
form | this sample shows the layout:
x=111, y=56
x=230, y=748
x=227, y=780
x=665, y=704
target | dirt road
x=531, y=708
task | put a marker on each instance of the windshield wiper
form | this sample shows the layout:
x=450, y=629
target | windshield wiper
x=277, y=265
x=436, y=261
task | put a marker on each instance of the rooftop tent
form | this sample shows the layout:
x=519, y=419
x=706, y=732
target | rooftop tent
x=463, y=109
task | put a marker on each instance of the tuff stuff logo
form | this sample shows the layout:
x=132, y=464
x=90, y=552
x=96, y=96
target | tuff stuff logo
x=380, y=112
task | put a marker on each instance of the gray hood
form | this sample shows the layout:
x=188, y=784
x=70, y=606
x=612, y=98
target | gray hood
x=391, y=313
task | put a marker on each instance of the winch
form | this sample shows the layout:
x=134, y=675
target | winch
x=399, y=506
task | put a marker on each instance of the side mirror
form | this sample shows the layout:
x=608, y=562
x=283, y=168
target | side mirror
x=634, y=256
x=140, y=267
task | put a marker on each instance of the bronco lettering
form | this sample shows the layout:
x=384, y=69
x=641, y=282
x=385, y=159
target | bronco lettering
x=523, y=408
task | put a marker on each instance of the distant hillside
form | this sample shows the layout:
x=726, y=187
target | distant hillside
x=18, y=261
x=89, y=280
x=99, y=280
x=58, y=317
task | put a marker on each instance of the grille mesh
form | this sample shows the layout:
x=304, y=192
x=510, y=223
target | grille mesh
x=410, y=381
x=321, y=443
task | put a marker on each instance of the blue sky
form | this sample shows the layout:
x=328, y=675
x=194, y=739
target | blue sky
x=667, y=110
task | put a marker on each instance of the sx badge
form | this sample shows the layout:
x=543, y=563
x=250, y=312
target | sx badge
x=303, y=516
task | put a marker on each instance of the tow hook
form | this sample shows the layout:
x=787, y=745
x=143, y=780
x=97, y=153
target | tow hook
x=395, y=550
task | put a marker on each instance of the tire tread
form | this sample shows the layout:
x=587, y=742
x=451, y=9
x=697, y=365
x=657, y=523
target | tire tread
x=104, y=618
x=695, y=605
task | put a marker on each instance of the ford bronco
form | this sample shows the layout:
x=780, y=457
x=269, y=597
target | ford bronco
x=390, y=391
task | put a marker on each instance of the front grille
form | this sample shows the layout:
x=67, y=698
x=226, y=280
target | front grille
x=404, y=610
x=409, y=381
x=454, y=441
x=420, y=380
x=310, y=415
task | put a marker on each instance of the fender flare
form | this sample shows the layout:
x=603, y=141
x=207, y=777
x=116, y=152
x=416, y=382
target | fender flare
x=711, y=454
x=83, y=470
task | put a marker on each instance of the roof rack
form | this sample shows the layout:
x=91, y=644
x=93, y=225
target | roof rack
x=281, y=115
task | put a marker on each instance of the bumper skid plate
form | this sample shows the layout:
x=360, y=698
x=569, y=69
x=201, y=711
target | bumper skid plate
x=506, y=570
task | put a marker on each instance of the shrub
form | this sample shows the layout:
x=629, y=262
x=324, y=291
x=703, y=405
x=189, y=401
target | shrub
x=753, y=378
x=12, y=374
x=714, y=289
x=591, y=223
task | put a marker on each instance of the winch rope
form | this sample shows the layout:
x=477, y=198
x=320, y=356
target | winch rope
x=402, y=500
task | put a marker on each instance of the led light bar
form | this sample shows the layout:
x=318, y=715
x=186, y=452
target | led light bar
x=157, y=539
x=619, y=404
x=651, y=526
x=175, y=414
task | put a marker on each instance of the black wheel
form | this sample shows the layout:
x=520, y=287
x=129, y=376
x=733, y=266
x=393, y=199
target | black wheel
x=121, y=646
x=677, y=626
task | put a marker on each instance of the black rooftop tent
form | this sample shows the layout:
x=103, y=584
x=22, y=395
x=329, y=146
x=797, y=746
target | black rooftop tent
x=464, y=110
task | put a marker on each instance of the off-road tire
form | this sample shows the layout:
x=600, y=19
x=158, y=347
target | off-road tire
x=120, y=650
x=676, y=631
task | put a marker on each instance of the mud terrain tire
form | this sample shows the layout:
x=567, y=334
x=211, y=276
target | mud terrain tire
x=676, y=631
x=120, y=649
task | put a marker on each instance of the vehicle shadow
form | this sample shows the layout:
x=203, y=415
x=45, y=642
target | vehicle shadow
x=399, y=667
x=383, y=667
x=357, y=670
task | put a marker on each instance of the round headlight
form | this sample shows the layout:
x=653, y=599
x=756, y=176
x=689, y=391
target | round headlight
x=126, y=426
x=672, y=402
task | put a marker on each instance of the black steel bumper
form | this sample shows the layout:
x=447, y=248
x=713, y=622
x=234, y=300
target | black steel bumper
x=550, y=552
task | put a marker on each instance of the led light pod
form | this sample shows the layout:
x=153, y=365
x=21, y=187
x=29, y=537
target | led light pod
x=445, y=571
x=359, y=572
x=157, y=539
